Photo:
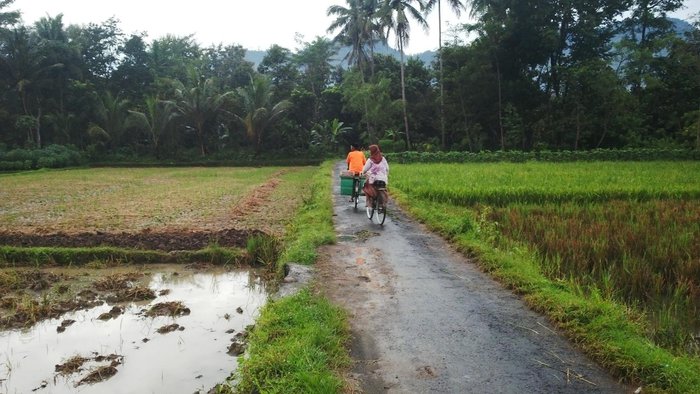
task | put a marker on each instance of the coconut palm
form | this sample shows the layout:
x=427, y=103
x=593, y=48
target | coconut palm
x=259, y=112
x=358, y=29
x=457, y=7
x=200, y=104
x=7, y=18
x=395, y=19
x=111, y=112
x=155, y=120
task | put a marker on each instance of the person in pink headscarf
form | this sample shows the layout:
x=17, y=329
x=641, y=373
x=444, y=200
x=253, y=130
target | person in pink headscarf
x=376, y=169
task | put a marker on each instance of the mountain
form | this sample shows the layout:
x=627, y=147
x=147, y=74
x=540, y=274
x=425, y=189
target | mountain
x=679, y=26
x=426, y=57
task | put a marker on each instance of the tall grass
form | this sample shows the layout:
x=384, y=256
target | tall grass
x=646, y=254
x=610, y=251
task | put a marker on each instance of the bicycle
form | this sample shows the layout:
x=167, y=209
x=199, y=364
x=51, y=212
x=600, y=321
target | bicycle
x=378, y=205
x=356, y=189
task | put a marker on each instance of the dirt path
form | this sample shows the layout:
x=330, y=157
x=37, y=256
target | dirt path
x=425, y=319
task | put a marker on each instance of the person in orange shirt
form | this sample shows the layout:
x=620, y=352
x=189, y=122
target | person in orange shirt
x=356, y=161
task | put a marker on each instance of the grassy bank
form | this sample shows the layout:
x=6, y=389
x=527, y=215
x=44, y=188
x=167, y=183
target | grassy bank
x=298, y=344
x=313, y=225
x=591, y=311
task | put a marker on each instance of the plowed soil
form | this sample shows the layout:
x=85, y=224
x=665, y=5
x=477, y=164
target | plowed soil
x=146, y=240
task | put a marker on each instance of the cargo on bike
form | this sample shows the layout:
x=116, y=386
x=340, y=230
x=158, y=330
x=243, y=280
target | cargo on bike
x=356, y=161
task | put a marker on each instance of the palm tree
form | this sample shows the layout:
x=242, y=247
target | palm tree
x=111, y=118
x=7, y=18
x=25, y=68
x=395, y=19
x=258, y=110
x=457, y=7
x=359, y=28
x=155, y=120
x=200, y=104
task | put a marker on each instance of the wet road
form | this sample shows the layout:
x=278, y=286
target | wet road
x=426, y=320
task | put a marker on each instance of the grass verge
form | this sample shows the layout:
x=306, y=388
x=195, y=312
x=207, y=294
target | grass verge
x=610, y=333
x=313, y=225
x=297, y=345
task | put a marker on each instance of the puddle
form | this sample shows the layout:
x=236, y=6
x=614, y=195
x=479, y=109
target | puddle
x=124, y=348
x=346, y=238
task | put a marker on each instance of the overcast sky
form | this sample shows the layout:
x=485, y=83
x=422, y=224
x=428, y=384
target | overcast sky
x=253, y=24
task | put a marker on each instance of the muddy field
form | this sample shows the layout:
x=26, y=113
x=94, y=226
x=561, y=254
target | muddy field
x=66, y=330
x=112, y=326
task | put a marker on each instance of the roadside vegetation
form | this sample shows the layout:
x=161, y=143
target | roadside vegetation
x=313, y=226
x=299, y=343
x=609, y=251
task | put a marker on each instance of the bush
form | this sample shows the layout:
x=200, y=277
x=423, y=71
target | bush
x=52, y=156
x=389, y=146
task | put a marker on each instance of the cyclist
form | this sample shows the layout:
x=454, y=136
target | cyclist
x=356, y=160
x=377, y=170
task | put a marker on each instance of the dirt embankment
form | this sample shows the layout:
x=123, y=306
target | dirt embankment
x=145, y=240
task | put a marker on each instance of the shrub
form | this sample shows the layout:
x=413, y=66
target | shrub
x=52, y=156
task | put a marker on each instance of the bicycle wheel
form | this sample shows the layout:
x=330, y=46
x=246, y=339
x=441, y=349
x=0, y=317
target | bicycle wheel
x=356, y=192
x=370, y=211
x=381, y=210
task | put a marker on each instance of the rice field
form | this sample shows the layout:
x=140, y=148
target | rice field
x=626, y=231
x=150, y=199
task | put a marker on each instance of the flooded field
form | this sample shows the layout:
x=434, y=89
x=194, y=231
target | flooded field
x=183, y=336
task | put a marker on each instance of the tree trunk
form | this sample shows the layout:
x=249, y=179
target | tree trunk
x=500, y=105
x=442, y=79
x=370, y=128
x=200, y=135
x=38, y=128
x=697, y=139
x=578, y=125
x=403, y=99
x=466, y=122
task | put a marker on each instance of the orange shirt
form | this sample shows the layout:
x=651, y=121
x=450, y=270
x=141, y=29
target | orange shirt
x=356, y=161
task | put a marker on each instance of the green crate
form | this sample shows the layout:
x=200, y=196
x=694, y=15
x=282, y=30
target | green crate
x=346, y=185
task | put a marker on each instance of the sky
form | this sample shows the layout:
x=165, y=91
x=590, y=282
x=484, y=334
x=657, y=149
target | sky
x=253, y=24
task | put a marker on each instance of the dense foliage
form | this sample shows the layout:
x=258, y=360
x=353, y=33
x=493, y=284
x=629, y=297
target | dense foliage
x=534, y=75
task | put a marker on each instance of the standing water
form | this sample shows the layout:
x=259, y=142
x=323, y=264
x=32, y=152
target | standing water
x=105, y=351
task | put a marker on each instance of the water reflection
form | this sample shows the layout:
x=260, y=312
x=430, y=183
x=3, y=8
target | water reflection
x=221, y=303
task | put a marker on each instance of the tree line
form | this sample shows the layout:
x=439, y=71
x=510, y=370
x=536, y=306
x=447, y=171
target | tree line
x=526, y=75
